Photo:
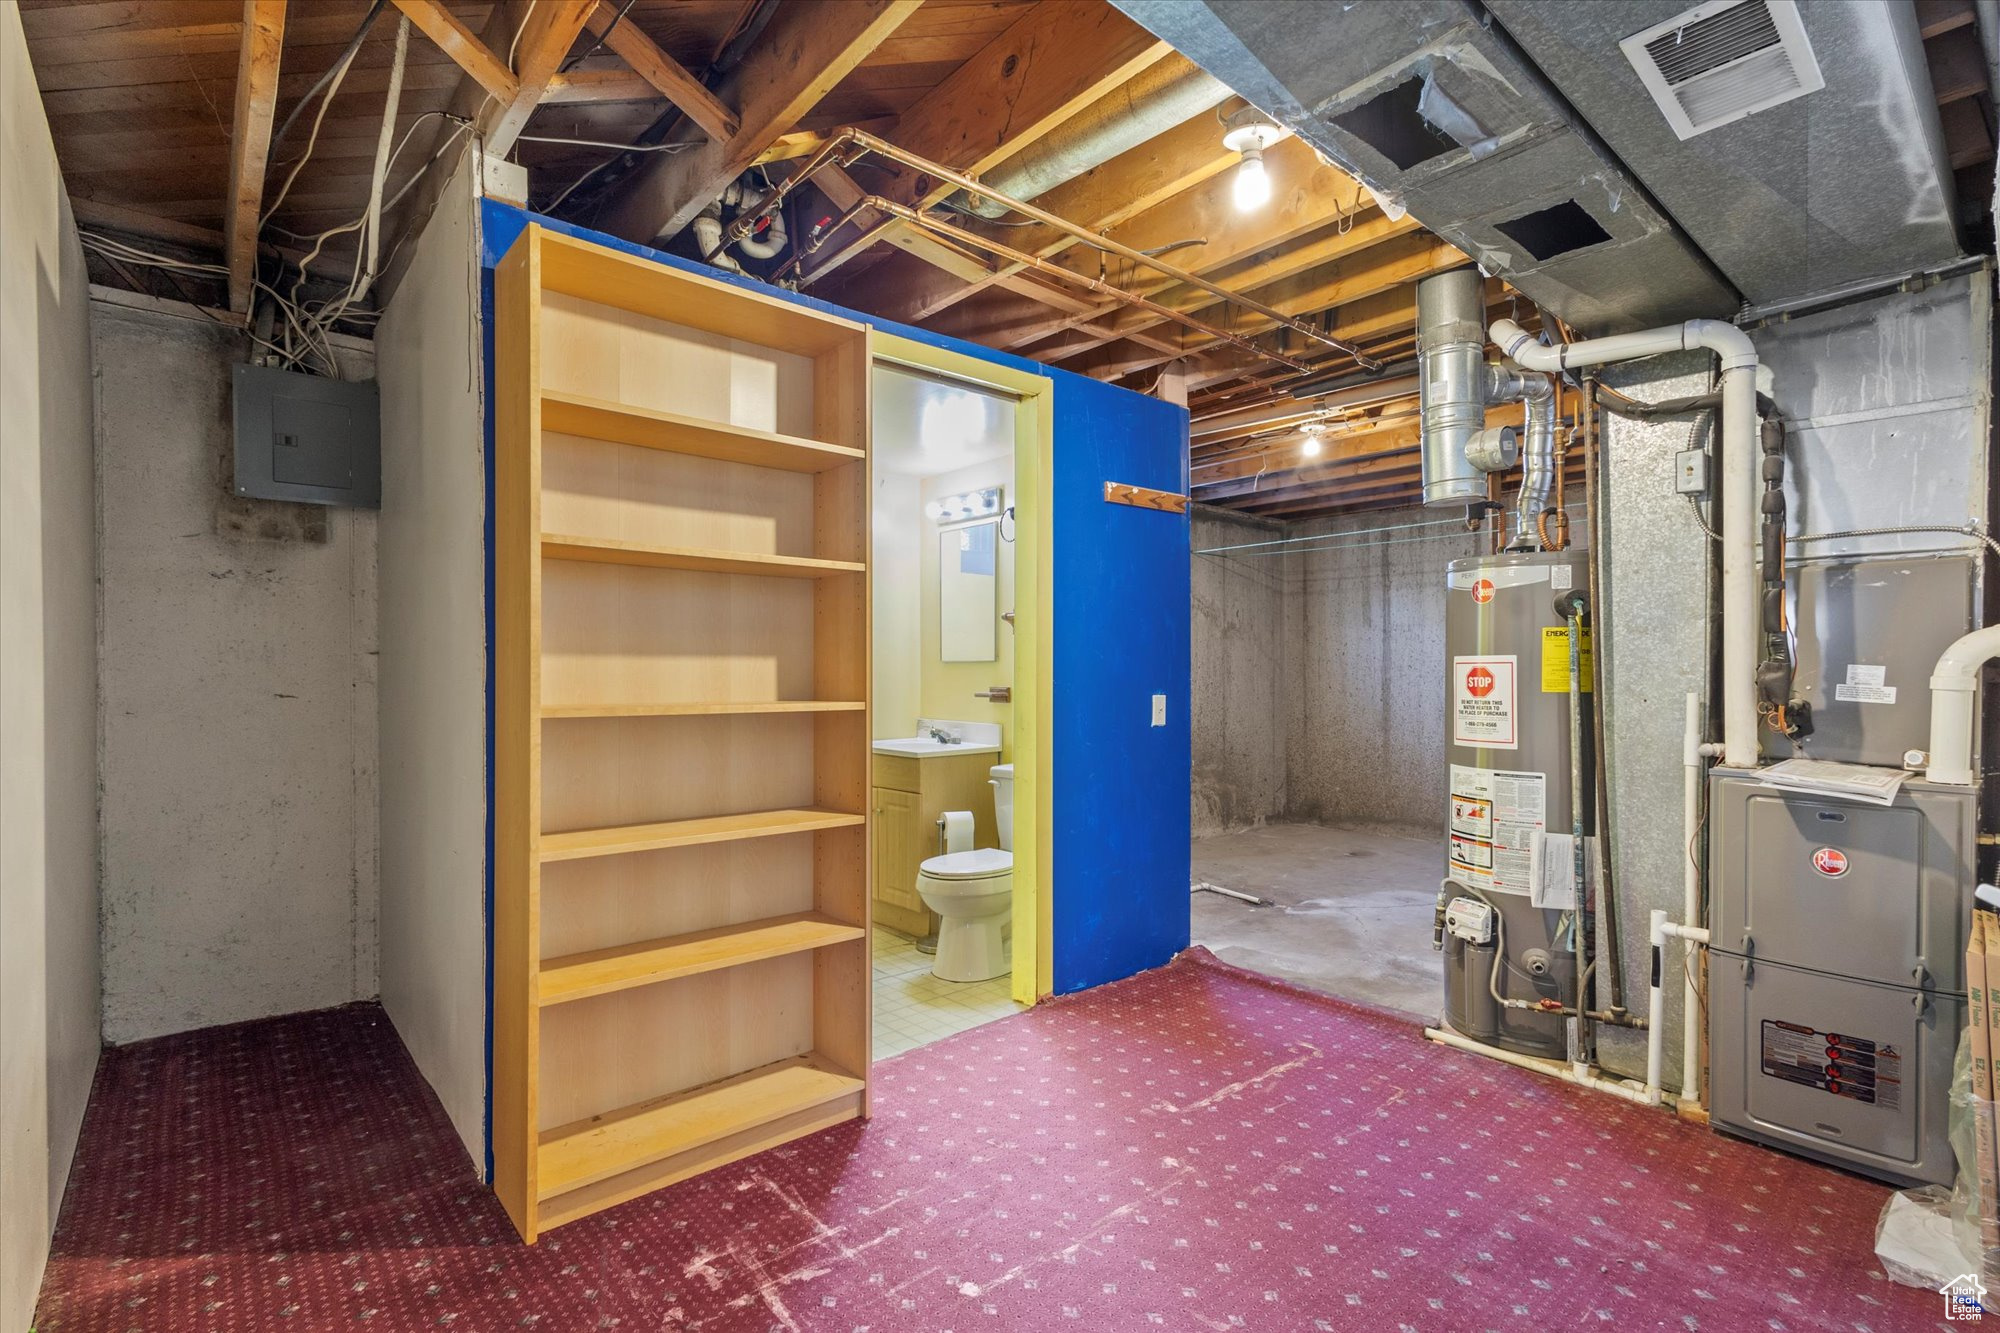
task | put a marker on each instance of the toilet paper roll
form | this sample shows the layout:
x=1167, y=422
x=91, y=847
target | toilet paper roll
x=957, y=830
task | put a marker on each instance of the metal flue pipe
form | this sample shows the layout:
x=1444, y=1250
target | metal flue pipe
x=1451, y=383
x=1538, y=448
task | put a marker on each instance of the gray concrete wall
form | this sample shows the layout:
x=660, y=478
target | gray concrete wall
x=1239, y=713
x=48, y=695
x=431, y=553
x=236, y=674
x=1365, y=640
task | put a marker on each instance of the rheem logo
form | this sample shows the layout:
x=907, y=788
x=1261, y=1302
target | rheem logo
x=1829, y=861
x=1482, y=591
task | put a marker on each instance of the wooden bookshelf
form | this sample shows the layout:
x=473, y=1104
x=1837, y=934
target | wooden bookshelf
x=681, y=968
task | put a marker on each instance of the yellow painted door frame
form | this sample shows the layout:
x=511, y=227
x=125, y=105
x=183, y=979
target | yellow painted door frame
x=1034, y=646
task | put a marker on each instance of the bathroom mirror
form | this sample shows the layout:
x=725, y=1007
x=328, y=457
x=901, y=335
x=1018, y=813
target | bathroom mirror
x=968, y=591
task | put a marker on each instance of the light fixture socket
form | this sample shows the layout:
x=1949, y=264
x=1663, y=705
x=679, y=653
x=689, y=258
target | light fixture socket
x=1249, y=129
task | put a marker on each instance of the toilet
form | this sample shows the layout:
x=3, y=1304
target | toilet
x=973, y=894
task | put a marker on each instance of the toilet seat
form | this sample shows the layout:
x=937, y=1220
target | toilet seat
x=979, y=863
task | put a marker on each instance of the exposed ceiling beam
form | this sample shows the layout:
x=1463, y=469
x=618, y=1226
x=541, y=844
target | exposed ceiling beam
x=1364, y=276
x=1058, y=58
x=1136, y=180
x=661, y=70
x=598, y=85
x=807, y=49
x=457, y=41
x=1270, y=266
x=1312, y=196
x=1397, y=429
x=250, y=142
x=547, y=32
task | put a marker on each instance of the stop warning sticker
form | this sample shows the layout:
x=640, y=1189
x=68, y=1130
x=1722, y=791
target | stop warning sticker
x=1483, y=702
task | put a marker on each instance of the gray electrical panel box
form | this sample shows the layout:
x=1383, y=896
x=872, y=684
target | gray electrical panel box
x=1836, y=983
x=308, y=439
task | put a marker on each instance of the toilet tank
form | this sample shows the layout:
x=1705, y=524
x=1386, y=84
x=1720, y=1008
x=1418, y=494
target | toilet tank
x=1003, y=803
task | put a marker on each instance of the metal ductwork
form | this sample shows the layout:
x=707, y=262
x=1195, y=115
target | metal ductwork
x=1506, y=384
x=1455, y=384
x=1835, y=186
x=1451, y=378
x=1170, y=92
x=1437, y=109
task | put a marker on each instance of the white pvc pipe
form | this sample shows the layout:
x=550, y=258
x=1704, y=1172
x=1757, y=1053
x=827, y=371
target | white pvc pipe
x=1691, y=770
x=1953, y=684
x=1617, y=1087
x=1659, y=931
x=1739, y=487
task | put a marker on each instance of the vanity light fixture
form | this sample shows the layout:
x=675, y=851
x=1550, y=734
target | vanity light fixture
x=961, y=508
x=1249, y=131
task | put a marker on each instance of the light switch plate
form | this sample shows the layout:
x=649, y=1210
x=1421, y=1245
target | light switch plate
x=1159, y=710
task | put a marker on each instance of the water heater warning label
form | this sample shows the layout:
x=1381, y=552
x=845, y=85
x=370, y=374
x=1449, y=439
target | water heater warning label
x=1482, y=702
x=1845, y=1066
x=1495, y=816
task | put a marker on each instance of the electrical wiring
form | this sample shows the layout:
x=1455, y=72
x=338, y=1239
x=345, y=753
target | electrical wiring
x=347, y=52
x=111, y=248
x=598, y=45
x=606, y=144
x=339, y=74
x=363, y=276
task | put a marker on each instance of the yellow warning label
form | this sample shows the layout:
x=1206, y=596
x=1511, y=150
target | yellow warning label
x=1555, y=660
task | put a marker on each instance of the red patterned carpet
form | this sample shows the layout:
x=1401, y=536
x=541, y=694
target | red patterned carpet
x=1190, y=1149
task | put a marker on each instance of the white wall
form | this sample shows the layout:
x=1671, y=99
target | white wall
x=236, y=675
x=433, y=665
x=897, y=583
x=48, y=696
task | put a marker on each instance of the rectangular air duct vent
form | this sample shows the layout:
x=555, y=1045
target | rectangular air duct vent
x=1724, y=60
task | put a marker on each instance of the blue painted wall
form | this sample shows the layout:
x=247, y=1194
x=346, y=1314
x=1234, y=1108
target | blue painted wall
x=1121, y=636
x=1120, y=786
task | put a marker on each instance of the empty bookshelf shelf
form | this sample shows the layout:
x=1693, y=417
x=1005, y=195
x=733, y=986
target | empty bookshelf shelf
x=608, y=551
x=588, y=1151
x=691, y=832
x=574, y=414
x=581, y=975
x=713, y=708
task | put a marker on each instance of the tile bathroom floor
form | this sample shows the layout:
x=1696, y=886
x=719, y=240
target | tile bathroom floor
x=914, y=1008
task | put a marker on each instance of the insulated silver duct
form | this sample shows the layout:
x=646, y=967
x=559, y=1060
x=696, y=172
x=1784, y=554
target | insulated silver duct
x=1508, y=384
x=1168, y=93
x=1451, y=382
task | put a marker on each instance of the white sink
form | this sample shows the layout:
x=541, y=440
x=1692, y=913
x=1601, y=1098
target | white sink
x=922, y=746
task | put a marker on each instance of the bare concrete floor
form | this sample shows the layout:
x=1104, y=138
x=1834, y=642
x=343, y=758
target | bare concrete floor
x=1349, y=910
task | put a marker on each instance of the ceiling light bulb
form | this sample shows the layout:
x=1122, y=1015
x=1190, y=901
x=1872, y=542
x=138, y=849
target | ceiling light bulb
x=1311, y=446
x=1252, y=187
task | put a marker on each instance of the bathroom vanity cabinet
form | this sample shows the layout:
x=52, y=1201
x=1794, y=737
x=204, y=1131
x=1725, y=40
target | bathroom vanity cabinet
x=911, y=793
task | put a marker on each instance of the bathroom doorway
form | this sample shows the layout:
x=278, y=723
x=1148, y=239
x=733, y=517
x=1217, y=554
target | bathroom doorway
x=956, y=571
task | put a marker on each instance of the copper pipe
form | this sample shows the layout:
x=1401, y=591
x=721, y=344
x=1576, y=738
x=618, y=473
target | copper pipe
x=917, y=218
x=867, y=143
